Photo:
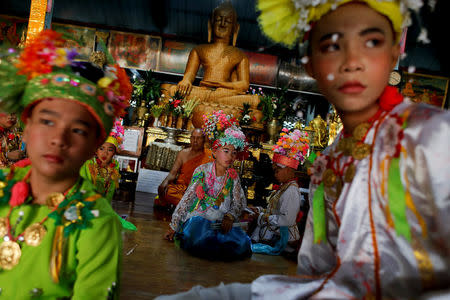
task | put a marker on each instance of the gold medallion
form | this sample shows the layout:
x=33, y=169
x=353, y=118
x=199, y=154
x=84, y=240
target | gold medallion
x=361, y=151
x=350, y=173
x=3, y=228
x=328, y=178
x=34, y=234
x=103, y=172
x=360, y=131
x=54, y=199
x=342, y=145
x=9, y=255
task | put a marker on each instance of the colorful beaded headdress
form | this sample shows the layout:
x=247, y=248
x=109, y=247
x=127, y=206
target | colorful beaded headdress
x=43, y=71
x=222, y=129
x=287, y=21
x=291, y=148
x=116, y=135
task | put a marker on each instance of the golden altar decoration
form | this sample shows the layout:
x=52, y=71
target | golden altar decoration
x=226, y=71
x=155, y=133
x=161, y=156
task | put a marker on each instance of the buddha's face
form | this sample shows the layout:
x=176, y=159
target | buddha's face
x=223, y=23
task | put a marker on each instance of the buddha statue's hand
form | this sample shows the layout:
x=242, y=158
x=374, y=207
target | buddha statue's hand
x=184, y=87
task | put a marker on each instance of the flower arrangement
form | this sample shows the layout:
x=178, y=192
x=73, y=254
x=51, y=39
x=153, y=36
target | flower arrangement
x=188, y=106
x=157, y=110
x=274, y=105
x=292, y=144
x=174, y=106
x=245, y=118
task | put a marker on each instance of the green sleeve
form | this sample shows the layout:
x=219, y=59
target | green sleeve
x=84, y=171
x=111, y=190
x=99, y=251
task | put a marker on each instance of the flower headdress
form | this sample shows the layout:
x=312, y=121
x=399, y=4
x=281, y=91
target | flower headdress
x=116, y=135
x=222, y=129
x=286, y=21
x=44, y=70
x=291, y=148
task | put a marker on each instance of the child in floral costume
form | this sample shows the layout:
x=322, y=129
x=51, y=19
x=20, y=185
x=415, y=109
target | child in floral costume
x=276, y=226
x=10, y=140
x=103, y=169
x=59, y=237
x=214, y=196
x=380, y=198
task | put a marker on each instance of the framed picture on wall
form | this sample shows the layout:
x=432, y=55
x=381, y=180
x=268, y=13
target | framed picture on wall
x=137, y=51
x=425, y=88
x=80, y=38
x=132, y=141
x=127, y=163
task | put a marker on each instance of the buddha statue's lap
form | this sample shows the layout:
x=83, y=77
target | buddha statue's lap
x=223, y=25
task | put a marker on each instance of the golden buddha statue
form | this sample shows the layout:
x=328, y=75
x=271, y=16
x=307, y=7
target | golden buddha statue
x=319, y=127
x=334, y=126
x=141, y=115
x=226, y=70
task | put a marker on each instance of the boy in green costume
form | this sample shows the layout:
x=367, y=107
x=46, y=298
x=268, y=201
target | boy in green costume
x=59, y=238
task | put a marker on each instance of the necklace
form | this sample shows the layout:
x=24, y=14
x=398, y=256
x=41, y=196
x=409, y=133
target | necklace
x=10, y=249
x=342, y=159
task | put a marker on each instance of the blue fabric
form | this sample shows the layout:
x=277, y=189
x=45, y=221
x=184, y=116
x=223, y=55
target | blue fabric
x=198, y=238
x=279, y=246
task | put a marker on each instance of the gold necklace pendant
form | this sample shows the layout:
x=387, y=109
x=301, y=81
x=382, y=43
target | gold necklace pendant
x=54, y=199
x=329, y=178
x=360, y=131
x=9, y=254
x=34, y=234
x=361, y=151
x=3, y=227
x=349, y=173
x=103, y=172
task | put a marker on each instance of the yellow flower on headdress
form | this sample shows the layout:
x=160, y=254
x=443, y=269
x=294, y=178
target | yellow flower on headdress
x=286, y=21
x=104, y=82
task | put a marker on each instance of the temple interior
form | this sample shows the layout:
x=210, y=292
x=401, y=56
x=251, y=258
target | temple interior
x=188, y=60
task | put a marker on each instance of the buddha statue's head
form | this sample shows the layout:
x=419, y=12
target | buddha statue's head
x=223, y=23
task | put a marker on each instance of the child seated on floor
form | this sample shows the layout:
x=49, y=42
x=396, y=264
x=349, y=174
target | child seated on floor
x=59, y=237
x=380, y=194
x=214, y=197
x=276, y=226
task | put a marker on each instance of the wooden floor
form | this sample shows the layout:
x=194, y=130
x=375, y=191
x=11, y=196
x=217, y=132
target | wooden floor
x=153, y=266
